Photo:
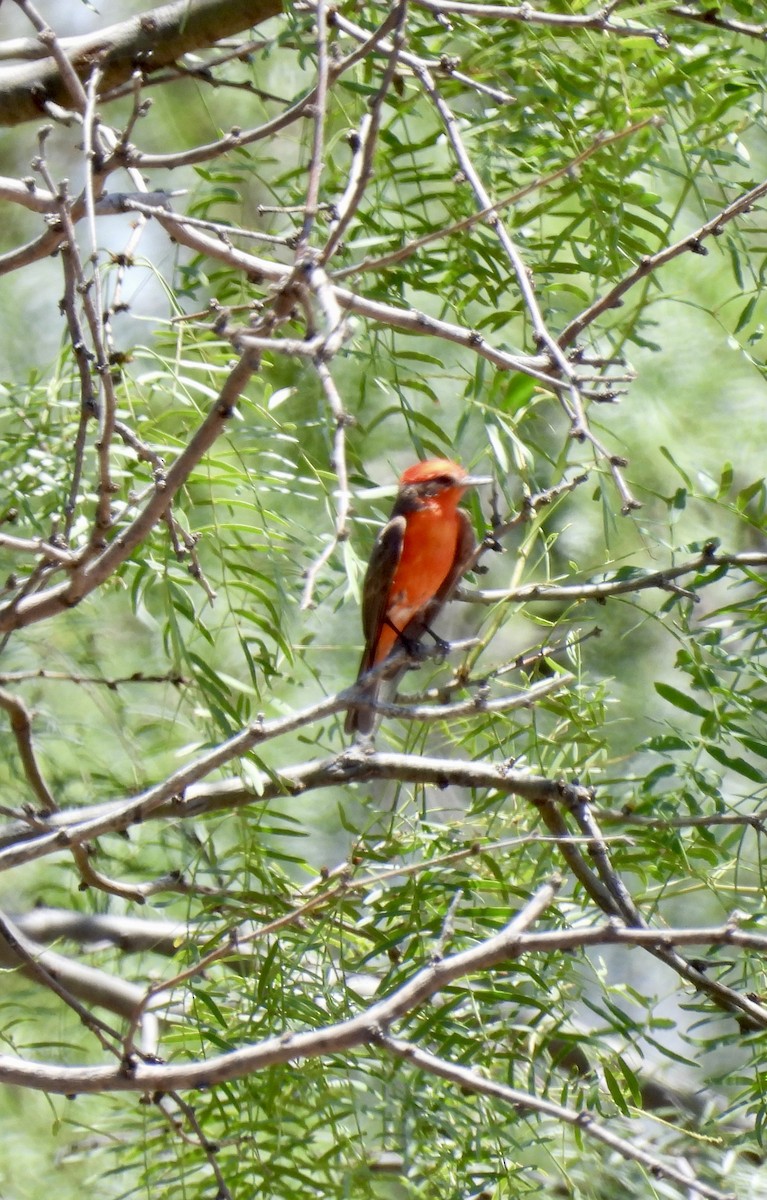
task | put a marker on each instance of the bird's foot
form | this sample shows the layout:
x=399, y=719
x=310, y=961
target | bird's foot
x=443, y=647
x=412, y=648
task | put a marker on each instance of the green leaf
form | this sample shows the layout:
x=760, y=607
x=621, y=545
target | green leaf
x=746, y=314
x=725, y=481
x=735, y=763
x=670, y=458
x=615, y=1091
x=680, y=699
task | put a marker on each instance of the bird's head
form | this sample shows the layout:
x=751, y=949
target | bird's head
x=437, y=479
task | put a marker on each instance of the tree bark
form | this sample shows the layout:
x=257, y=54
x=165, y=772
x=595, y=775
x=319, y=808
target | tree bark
x=147, y=42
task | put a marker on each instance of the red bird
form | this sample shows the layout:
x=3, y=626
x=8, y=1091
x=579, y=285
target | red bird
x=417, y=561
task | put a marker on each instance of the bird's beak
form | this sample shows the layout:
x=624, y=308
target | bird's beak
x=476, y=480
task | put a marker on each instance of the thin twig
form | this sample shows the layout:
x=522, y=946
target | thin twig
x=89, y=405
x=185, y=545
x=110, y=682
x=526, y=661
x=34, y=966
x=319, y=112
x=21, y=726
x=476, y=705
x=601, y=21
x=471, y=1081
x=638, y=581
x=40, y=548
x=208, y=1148
x=366, y=140
x=692, y=242
x=138, y=892
x=543, y=181
x=540, y=330
x=27, y=194
x=568, y=390
x=94, y=307
x=710, y=16
x=74, y=285
x=338, y=464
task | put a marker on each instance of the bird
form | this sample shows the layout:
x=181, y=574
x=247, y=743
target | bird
x=417, y=561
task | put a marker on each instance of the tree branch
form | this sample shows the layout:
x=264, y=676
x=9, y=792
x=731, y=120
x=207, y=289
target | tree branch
x=637, y=581
x=66, y=977
x=130, y=934
x=601, y=21
x=21, y=726
x=169, y=797
x=693, y=242
x=153, y=40
x=471, y=1081
x=89, y=576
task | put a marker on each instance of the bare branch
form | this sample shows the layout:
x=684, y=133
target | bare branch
x=357, y=1031
x=170, y=795
x=710, y=16
x=691, y=243
x=21, y=726
x=471, y=1081
x=637, y=581
x=601, y=21
x=92, y=574
x=155, y=39
x=364, y=142
x=238, y=137
x=130, y=934
x=366, y=1028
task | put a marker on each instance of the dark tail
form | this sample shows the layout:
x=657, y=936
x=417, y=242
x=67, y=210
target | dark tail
x=362, y=718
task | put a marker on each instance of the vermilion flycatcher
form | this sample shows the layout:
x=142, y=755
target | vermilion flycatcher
x=418, y=558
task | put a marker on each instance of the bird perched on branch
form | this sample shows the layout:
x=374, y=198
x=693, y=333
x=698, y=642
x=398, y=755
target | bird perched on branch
x=417, y=561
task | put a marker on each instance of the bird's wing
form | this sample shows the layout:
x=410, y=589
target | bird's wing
x=383, y=564
x=464, y=549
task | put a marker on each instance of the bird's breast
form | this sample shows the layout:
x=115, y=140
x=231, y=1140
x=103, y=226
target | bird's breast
x=428, y=553
x=429, y=548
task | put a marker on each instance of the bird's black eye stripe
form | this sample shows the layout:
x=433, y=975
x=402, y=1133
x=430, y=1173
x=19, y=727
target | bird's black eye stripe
x=437, y=484
x=432, y=487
